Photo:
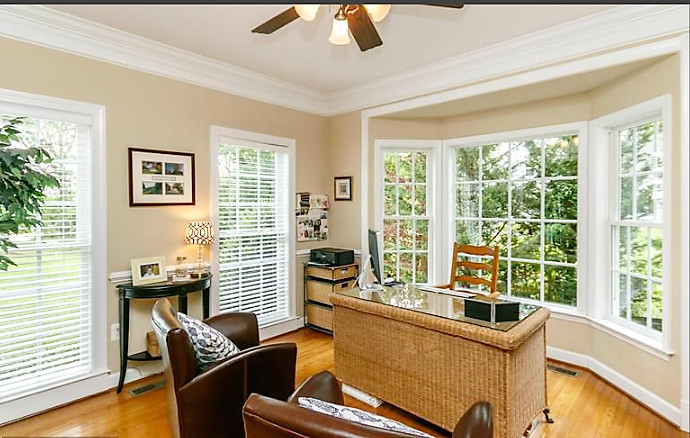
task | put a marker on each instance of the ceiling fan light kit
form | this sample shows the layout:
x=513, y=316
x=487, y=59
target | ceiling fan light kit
x=356, y=19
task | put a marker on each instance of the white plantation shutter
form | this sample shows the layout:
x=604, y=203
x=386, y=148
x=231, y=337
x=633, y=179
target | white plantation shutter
x=253, y=229
x=45, y=301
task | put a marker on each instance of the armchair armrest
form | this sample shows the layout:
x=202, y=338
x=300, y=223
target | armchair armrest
x=323, y=386
x=241, y=328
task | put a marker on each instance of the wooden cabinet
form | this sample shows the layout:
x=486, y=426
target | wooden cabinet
x=319, y=282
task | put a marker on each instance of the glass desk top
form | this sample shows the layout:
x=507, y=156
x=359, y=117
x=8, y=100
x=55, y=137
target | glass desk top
x=440, y=304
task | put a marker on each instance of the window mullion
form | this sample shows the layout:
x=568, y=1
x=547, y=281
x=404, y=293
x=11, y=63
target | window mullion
x=541, y=222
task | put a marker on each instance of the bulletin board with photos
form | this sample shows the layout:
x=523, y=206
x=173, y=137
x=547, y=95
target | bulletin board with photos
x=160, y=177
x=311, y=216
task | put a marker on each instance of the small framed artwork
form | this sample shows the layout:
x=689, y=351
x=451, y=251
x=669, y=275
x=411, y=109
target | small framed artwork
x=160, y=178
x=342, y=188
x=148, y=270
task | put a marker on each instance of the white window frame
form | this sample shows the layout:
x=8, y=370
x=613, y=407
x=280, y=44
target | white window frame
x=288, y=145
x=433, y=150
x=604, y=170
x=448, y=233
x=32, y=105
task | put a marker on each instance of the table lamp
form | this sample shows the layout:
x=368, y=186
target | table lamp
x=199, y=233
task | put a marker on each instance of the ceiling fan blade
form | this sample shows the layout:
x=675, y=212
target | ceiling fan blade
x=277, y=22
x=363, y=29
x=449, y=6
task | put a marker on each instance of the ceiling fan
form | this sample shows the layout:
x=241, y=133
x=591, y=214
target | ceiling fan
x=358, y=19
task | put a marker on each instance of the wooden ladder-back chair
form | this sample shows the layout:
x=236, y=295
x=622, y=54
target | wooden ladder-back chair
x=472, y=250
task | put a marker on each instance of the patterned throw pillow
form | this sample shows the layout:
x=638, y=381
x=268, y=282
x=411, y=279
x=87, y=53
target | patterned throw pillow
x=358, y=416
x=210, y=345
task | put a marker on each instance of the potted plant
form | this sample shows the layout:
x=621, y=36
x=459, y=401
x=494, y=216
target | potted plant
x=24, y=177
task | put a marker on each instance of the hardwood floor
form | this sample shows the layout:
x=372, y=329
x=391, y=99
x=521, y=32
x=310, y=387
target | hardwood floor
x=583, y=407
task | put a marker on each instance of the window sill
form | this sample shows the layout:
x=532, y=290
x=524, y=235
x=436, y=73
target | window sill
x=631, y=337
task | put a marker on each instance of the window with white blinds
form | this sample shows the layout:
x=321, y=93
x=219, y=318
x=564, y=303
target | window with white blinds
x=45, y=300
x=253, y=222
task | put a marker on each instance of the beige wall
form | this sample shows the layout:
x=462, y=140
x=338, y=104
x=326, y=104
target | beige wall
x=657, y=375
x=144, y=110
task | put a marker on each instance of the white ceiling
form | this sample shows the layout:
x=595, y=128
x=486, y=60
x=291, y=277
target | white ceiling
x=299, y=53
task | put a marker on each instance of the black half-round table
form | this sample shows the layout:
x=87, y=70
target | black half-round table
x=155, y=290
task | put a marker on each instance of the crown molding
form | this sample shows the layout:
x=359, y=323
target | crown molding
x=593, y=34
x=56, y=30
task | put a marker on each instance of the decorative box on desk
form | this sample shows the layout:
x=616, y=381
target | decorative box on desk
x=319, y=282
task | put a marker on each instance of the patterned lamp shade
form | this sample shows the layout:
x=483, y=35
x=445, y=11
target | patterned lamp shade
x=199, y=233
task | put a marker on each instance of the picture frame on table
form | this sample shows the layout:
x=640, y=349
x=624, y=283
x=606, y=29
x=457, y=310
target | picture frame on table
x=342, y=188
x=161, y=178
x=148, y=270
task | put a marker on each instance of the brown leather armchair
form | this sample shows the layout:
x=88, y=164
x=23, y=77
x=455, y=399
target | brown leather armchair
x=265, y=417
x=208, y=404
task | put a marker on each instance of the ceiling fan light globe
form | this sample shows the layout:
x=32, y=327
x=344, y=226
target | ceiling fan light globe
x=307, y=12
x=339, y=33
x=377, y=12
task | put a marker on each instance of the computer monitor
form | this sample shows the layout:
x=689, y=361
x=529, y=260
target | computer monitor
x=374, y=253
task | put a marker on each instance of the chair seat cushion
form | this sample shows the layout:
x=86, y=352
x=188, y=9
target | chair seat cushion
x=210, y=345
x=358, y=416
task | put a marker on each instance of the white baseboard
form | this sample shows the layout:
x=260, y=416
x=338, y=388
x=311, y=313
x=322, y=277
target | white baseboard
x=685, y=415
x=362, y=396
x=281, y=328
x=643, y=395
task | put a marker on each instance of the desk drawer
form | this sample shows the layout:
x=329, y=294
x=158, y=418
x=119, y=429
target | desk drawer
x=318, y=290
x=320, y=316
x=332, y=273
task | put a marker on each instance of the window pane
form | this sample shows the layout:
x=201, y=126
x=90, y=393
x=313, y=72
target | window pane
x=526, y=159
x=622, y=249
x=467, y=233
x=389, y=200
x=625, y=137
x=526, y=240
x=526, y=200
x=467, y=200
x=420, y=200
x=390, y=261
x=649, y=148
x=422, y=234
x=656, y=252
x=389, y=167
x=560, y=285
x=650, y=195
x=495, y=200
x=406, y=235
x=422, y=268
x=406, y=267
x=404, y=167
x=502, y=283
x=623, y=296
x=657, y=314
x=495, y=161
x=561, y=200
x=626, y=197
x=638, y=306
x=405, y=200
x=390, y=234
x=420, y=167
x=560, y=242
x=561, y=157
x=638, y=250
x=525, y=280
x=467, y=164
x=496, y=233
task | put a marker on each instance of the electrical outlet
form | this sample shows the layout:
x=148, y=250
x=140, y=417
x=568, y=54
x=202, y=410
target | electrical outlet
x=115, y=332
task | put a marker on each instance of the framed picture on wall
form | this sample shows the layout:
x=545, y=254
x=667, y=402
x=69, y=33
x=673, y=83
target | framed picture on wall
x=160, y=178
x=342, y=188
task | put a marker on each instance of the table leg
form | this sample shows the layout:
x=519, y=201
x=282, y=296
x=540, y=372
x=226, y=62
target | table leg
x=206, y=296
x=182, y=302
x=124, y=338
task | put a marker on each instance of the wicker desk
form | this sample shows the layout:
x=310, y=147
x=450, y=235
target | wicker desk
x=436, y=367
